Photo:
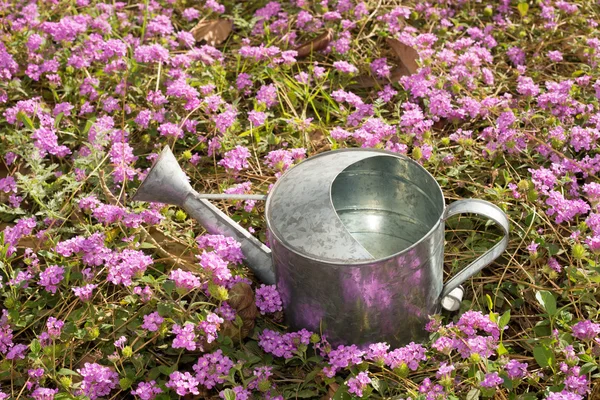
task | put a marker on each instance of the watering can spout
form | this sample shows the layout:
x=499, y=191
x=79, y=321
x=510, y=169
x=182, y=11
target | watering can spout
x=167, y=183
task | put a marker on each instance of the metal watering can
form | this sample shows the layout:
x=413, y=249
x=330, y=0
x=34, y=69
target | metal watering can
x=357, y=241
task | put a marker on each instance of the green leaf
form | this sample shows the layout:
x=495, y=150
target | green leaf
x=543, y=356
x=502, y=350
x=473, y=394
x=228, y=394
x=489, y=301
x=125, y=383
x=35, y=346
x=341, y=393
x=379, y=385
x=63, y=396
x=25, y=120
x=168, y=286
x=167, y=370
x=66, y=371
x=504, y=319
x=165, y=309
x=547, y=300
x=523, y=8
x=587, y=368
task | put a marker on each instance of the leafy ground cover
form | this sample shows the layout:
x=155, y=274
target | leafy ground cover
x=103, y=297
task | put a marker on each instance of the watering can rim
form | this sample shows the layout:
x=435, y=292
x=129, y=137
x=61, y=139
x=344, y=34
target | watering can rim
x=361, y=263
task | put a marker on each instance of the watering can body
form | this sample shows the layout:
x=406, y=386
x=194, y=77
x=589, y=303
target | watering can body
x=356, y=237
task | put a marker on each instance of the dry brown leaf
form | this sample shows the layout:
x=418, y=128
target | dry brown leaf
x=213, y=31
x=318, y=141
x=318, y=43
x=405, y=54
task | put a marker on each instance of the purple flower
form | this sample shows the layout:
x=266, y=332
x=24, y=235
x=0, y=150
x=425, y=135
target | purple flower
x=147, y=390
x=555, y=56
x=280, y=160
x=51, y=278
x=8, y=185
x=380, y=68
x=257, y=118
x=210, y=326
x=563, y=209
x=359, y=383
x=267, y=94
x=237, y=159
x=283, y=345
x=225, y=120
x=226, y=247
x=343, y=357
x=124, y=266
x=491, y=380
x=184, y=280
x=46, y=141
x=527, y=87
x=268, y=300
x=152, y=321
x=170, y=129
x=144, y=293
x=183, y=383
x=151, y=53
x=345, y=67
x=211, y=261
x=410, y=355
x=471, y=321
x=120, y=342
x=190, y=14
x=85, y=292
x=54, y=327
x=434, y=392
x=377, y=352
x=444, y=371
x=564, y=395
x=212, y=369
x=44, y=393
x=586, y=330
x=17, y=352
x=98, y=381
x=186, y=337
x=515, y=369
x=516, y=56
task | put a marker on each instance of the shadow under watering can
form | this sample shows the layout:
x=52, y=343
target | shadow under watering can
x=357, y=241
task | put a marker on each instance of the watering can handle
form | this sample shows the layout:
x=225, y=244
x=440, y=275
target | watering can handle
x=485, y=209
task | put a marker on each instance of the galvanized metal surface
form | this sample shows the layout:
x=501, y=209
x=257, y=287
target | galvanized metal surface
x=357, y=238
x=299, y=211
x=167, y=183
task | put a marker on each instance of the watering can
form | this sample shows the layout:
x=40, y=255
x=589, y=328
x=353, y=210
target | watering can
x=356, y=241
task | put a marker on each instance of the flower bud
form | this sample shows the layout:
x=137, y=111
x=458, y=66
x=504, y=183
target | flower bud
x=314, y=338
x=417, y=153
x=402, y=370
x=65, y=381
x=180, y=216
x=578, y=251
x=127, y=351
x=264, y=385
x=218, y=292
x=93, y=333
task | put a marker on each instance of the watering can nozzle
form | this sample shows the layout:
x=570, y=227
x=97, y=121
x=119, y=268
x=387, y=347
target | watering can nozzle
x=167, y=183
